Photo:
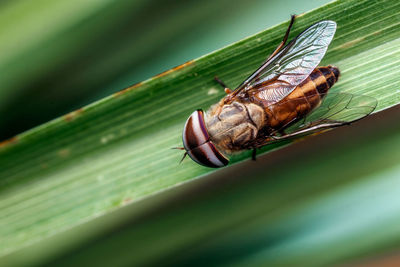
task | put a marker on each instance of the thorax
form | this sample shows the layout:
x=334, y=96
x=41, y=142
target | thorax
x=231, y=126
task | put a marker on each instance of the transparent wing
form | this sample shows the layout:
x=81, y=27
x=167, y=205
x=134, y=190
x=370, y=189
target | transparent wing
x=336, y=110
x=339, y=107
x=278, y=76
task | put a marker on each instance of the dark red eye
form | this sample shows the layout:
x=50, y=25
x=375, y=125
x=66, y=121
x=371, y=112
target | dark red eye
x=208, y=155
x=197, y=142
x=195, y=132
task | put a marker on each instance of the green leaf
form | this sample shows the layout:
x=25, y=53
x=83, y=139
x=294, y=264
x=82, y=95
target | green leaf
x=90, y=186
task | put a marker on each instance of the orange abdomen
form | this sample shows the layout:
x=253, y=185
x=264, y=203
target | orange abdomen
x=303, y=99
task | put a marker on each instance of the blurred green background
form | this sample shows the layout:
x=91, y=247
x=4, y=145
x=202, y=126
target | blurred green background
x=60, y=55
x=332, y=198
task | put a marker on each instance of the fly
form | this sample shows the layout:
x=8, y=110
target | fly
x=285, y=98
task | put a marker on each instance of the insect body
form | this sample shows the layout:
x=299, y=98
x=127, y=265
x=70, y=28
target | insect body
x=278, y=101
x=249, y=118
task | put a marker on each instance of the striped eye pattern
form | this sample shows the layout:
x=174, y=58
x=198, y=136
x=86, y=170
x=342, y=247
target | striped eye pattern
x=197, y=143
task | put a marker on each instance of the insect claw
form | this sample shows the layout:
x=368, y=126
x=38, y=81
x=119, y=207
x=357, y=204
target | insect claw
x=184, y=156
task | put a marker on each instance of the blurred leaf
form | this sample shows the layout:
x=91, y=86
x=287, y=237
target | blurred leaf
x=58, y=56
x=116, y=152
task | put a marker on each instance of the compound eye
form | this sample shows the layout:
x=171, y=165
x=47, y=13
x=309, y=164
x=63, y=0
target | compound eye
x=208, y=155
x=195, y=131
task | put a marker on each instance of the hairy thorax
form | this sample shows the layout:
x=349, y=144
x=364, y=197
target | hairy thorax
x=232, y=126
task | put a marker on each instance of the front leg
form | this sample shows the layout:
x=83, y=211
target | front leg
x=226, y=89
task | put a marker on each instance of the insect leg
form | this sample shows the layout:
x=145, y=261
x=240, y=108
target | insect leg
x=184, y=156
x=318, y=127
x=227, y=90
x=254, y=154
x=284, y=38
